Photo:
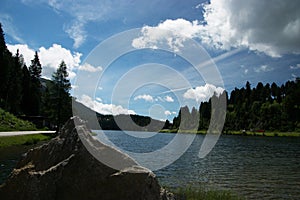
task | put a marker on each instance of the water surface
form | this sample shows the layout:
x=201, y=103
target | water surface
x=9, y=157
x=253, y=167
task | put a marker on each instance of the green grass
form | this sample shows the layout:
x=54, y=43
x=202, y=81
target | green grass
x=168, y=131
x=267, y=133
x=247, y=133
x=201, y=193
x=9, y=122
x=23, y=139
x=202, y=132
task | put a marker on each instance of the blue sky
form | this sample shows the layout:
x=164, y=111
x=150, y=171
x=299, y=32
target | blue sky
x=256, y=41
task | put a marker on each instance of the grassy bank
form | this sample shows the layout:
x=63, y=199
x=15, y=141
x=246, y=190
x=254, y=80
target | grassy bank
x=23, y=140
x=201, y=193
x=9, y=122
x=202, y=132
x=267, y=133
x=247, y=133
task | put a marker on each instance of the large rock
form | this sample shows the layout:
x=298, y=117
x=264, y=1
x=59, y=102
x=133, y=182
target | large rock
x=64, y=169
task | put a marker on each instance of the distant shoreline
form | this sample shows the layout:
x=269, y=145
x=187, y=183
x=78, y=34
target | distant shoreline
x=242, y=133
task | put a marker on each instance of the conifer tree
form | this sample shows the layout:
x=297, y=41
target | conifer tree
x=60, y=95
x=5, y=57
x=35, y=71
x=14, y=91
x=26, y=92
x=35, y=68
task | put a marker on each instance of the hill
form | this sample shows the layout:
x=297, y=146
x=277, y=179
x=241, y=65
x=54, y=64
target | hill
x=9, y=122
x=119, y=122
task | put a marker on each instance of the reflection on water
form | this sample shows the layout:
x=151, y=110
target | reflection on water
x=253, y=167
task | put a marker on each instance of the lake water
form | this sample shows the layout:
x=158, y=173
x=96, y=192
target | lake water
x=253, y=167
x=9, y=156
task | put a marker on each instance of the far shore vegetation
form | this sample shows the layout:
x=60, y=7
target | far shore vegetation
x=261, y=110
x=241, y=132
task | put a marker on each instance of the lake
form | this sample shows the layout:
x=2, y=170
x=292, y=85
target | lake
x=250, y=166
x=9, y=156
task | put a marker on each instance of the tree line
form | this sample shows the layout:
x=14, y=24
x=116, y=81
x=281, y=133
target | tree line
x=24, y=93
x=264, y=107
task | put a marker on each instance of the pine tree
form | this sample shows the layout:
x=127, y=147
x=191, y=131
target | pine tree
x=60, y=95
x=26, y=92
x=177, y=120
x=14, y=92
x=35, y=68
x=35, y=71
x=5, y=58
x=2, y=40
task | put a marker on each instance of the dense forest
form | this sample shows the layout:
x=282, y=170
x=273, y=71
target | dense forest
x=25, y=94
x=264, y=107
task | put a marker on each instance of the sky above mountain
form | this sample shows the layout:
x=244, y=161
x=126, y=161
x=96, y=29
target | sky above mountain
x=155, y=68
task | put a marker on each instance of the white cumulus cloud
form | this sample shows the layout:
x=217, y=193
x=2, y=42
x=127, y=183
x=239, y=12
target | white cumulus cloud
x=170, y=32
x=106, y=109
x=145, y=97
x=28, y=54
x=50, y=58
x=271, y=27
x=202, y=93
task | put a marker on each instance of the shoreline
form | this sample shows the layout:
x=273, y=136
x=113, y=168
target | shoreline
x=241, y=133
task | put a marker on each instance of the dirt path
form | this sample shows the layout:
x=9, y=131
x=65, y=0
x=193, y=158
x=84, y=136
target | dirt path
x=14, y=133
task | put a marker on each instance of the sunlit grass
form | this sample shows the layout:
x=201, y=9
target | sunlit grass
x=267, y=133
x=23, y=139
x=247, y=133
x=9, y=122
